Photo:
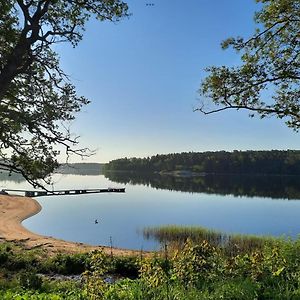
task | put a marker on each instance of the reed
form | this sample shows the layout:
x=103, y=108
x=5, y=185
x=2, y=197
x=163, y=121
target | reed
x=176, y=236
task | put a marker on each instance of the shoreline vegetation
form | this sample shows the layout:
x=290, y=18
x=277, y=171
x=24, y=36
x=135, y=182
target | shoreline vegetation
x=204, y=264
x=176, y=236
x=273, y=162
x=194, y=263
x=198, y=270
x=15, y=209
x=80, y=169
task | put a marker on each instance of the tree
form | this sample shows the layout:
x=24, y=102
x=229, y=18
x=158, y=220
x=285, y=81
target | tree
x=37, y=99
x=270, y=61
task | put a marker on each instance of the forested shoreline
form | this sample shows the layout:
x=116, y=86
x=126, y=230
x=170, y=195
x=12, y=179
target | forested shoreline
x=273, y=162
x=80, y=168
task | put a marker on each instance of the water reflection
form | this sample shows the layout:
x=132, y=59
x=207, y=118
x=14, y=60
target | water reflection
x=123, y=216
x=276, y=187
x=11, y=177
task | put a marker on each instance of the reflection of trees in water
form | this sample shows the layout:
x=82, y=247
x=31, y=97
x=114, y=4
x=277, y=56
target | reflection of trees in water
x=14, y=177
x=286, y=187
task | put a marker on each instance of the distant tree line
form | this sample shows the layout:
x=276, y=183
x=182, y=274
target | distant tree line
x=80, y=169
x=221, y=162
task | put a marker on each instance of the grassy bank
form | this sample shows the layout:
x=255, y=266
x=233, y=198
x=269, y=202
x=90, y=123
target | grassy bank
x=32, y=274
x=176, y=236
x=207, y=272
x=198, y=270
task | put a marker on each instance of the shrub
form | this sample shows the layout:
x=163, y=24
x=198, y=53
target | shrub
x=30, y=281
x=66, y=264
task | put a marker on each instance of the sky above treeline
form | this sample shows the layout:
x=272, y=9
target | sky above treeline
x=142, y=75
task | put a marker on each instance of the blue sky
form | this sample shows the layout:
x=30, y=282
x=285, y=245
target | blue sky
x=142, y=76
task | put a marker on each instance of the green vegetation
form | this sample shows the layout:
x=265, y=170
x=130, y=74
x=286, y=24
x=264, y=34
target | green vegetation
x=80, y=169
x=176, y=236
x=269, y=60
x=31, y=274
x=221, y=162
x=198, y=270
x=203, y=271
x=26, y=274
x=37, y=98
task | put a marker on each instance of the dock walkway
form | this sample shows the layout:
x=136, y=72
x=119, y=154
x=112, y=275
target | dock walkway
x=65, y=192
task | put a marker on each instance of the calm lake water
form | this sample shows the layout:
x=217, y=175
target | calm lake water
x=262, y=206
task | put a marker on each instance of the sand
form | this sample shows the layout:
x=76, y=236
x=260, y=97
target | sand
x=15, y=209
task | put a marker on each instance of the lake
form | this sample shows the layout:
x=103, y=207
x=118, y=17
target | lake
x=234, y=204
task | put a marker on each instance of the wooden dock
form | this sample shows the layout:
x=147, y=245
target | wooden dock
x=66, y=192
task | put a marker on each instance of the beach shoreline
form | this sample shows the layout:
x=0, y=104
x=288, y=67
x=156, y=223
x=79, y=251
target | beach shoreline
x=15, y=209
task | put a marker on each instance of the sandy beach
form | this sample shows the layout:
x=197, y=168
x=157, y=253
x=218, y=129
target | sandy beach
x=15, y=209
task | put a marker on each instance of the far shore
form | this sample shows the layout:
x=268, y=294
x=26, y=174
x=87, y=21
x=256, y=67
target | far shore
x=15, y=209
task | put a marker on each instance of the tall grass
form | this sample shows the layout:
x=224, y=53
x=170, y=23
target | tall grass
x=176, y=236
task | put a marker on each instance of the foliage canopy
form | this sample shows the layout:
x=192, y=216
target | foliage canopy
x=270, y=61
x=219, y=162
x=37, y=99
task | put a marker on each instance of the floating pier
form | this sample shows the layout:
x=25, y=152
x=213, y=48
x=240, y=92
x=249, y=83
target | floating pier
x=66, y=192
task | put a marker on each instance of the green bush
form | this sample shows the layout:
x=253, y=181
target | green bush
x=125, y=266
x=34, y=295
x=196, y=271
x=202, y=271
x=30, y=281
x=241, y=289
x=66, y=264
x=3, y=257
